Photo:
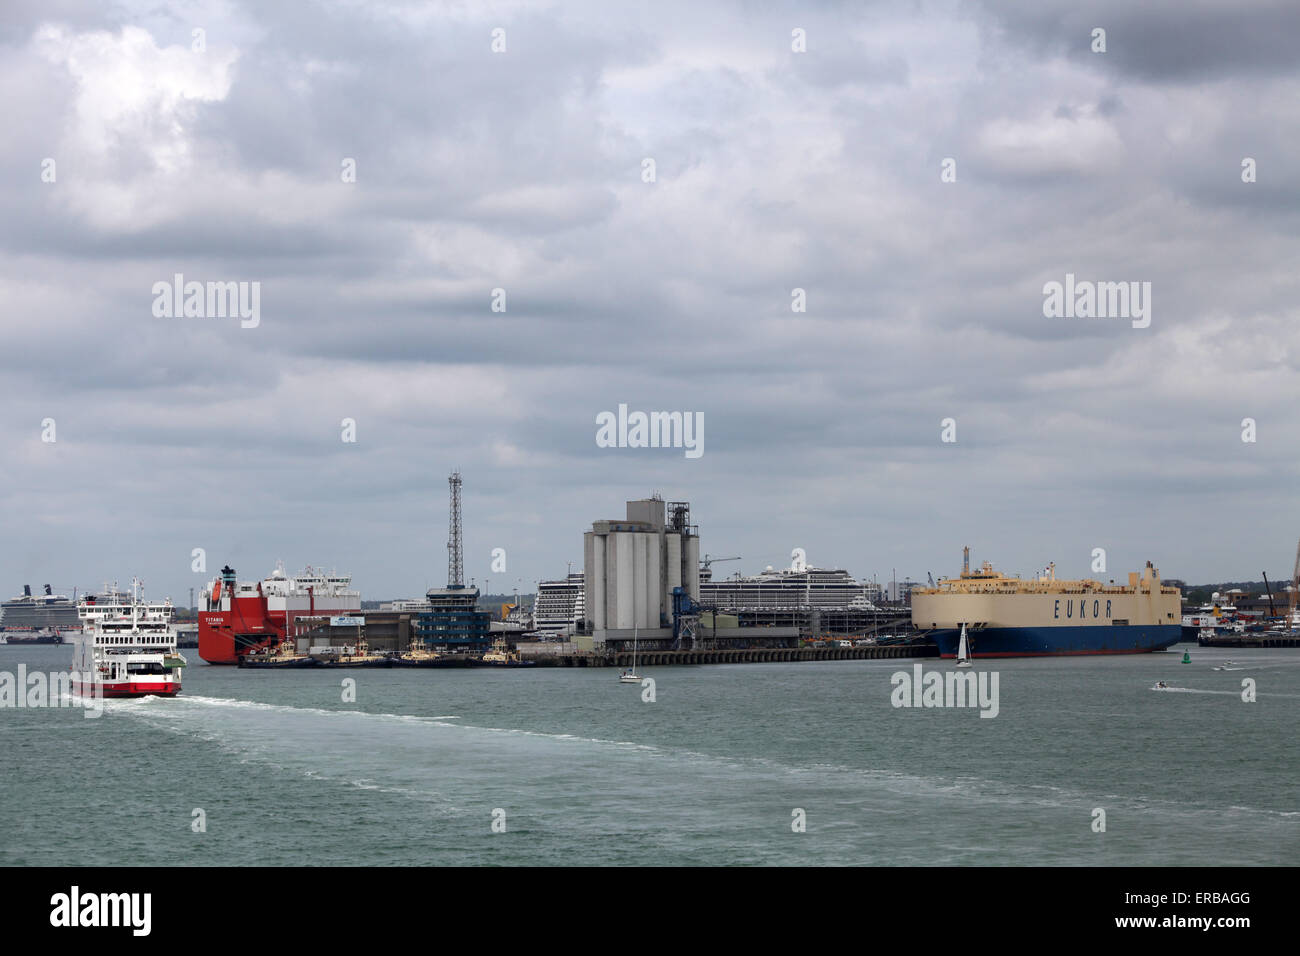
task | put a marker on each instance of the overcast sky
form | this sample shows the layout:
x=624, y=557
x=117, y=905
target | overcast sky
x=523, y=170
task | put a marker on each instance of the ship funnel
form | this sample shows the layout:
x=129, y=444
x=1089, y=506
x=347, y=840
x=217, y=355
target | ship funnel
x=965, y=560
x=47, y=590
x=27, y=590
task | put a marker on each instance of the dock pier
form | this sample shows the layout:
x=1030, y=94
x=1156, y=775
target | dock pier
x=755, y=655
x=1250, y=640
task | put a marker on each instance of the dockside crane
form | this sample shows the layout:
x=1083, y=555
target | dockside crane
x=707, y=562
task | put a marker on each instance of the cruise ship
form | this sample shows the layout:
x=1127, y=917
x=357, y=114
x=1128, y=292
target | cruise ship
x=48, y=612
x=560, y=605
x=1012, y=617
x=805, y=587
x=239, y=617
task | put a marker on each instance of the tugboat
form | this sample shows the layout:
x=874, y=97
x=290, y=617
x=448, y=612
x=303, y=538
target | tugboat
x=357, y=655
x=285, y=654
x=126, y=648
x=420, y=655
x=501, y=656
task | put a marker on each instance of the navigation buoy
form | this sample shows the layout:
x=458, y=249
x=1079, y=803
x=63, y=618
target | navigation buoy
x=1187, y=657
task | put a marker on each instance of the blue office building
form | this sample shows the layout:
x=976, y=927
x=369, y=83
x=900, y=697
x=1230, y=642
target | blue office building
x=453, y=620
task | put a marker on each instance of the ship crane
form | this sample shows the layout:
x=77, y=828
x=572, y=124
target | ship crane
x=706, y=562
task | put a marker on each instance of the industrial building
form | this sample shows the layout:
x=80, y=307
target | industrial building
x=632, y=566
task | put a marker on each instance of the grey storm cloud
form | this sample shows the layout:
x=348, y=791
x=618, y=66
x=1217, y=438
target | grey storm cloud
x=1162, y=41
x=523, y=170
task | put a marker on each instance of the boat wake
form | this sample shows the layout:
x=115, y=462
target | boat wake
x=1228, y=693
x=427, y=762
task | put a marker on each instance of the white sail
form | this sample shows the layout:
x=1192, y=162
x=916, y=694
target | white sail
x=963, y=653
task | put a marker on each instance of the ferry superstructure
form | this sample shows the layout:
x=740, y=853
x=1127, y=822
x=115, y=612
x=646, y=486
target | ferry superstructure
x=239, y=617
x=126, y=648
x=1013, y=617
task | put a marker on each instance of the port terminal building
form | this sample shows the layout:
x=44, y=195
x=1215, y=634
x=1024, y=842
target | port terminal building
x=453, y=620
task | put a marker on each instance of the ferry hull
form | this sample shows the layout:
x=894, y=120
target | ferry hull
x=129, y=689
x=1059, y=641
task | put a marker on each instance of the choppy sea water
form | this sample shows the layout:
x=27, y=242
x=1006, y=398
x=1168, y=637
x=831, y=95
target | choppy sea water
x=711, y=772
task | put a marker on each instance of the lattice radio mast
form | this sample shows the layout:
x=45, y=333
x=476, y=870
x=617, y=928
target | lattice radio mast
x=455, y=561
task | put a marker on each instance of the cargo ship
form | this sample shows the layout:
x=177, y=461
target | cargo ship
x=1040, y=617
x=126, y=648
x=237, y=618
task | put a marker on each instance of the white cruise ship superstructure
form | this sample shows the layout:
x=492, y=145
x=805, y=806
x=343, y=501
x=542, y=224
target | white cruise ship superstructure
x=785, y=588
x=560, y=605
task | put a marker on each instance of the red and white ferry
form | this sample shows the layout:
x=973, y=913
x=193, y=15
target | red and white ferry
x=242, y=617
x=126, y=648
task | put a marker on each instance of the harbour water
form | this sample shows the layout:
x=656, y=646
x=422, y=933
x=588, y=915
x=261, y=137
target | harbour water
x=711, y=772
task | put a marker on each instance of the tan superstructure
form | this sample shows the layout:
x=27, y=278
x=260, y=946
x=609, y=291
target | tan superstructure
x=987, y=599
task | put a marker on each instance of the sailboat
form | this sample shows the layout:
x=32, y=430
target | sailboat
x=631, y=676
x=963, y=653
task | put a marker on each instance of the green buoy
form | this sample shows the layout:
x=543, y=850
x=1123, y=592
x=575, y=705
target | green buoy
x=1187, y=657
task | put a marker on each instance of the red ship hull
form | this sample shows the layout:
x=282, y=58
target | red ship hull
x=225, y=636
